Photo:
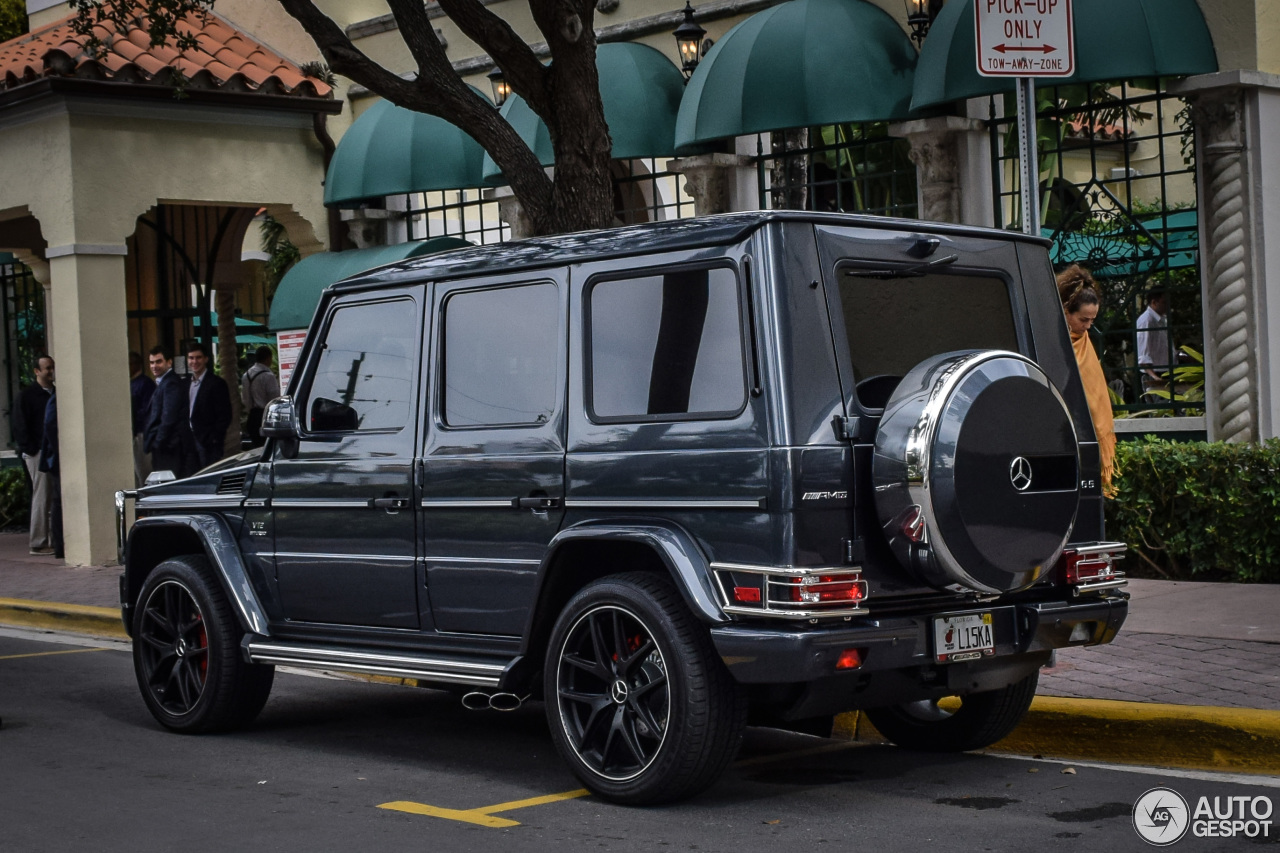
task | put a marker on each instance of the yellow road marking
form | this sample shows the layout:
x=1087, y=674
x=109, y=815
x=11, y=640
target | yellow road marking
x=43, y=654
x=482, y=816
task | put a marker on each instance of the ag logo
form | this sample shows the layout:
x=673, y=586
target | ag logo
x=1020, y=473
x=1161, y=817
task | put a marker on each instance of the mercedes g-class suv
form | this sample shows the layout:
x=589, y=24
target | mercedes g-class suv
x=670, y=480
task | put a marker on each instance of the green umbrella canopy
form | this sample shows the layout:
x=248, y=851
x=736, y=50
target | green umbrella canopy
x=800, y=64
x=1115, y=40
x=641, y=90
x=299, y=291
x=389, y=150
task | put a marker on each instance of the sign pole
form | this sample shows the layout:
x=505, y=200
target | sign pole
x=1026, y=39
x=1028, y=156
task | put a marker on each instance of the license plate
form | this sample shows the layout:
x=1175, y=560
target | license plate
x=966, y=637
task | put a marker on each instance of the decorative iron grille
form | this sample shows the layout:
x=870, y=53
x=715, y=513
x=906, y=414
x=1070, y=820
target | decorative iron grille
x=456, y=213
x=647, y=191
x=1118, y=196
x=24, y=324
x=851, y=168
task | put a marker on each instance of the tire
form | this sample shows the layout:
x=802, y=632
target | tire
x=186, y=652
x=981, y=720
x=639, y=704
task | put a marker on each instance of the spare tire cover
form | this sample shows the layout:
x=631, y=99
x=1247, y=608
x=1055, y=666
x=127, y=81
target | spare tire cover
x=976, y=471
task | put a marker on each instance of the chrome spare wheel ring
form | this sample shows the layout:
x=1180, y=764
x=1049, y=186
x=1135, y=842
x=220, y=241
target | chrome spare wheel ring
x=612, y=693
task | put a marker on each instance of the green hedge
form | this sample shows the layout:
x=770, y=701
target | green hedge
x=15, y=499
x=1198, y=510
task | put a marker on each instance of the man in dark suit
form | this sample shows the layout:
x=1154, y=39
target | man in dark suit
x=210, y=406
x=167, y=436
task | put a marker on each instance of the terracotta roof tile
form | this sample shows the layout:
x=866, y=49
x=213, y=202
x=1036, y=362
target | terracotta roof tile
x=224, y=58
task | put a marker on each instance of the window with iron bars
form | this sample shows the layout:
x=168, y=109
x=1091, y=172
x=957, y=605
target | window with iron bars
x=455, y=213
x=23, y=307
x=647, y=190
x=644, y=190
x=852, y=168
x=1118, y=196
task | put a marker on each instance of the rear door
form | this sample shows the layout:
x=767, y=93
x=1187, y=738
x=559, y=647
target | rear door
x=493, y=460
x=342, y=507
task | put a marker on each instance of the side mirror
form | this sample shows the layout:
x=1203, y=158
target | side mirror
x=280, y=419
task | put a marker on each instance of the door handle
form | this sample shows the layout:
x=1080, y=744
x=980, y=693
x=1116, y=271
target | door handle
x=389, y=503
x=537, y=503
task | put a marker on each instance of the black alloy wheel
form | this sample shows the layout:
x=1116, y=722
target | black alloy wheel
x=174, y=647
x=186, y=651
x=981, y=719
x=613, y=693
x=639, y=704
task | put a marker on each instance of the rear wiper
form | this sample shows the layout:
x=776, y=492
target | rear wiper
x=904, y=272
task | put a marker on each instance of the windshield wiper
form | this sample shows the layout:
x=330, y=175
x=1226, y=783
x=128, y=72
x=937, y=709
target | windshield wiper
x=904, y=272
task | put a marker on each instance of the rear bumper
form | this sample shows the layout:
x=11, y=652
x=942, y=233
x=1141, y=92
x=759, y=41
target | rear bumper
x=767, y=654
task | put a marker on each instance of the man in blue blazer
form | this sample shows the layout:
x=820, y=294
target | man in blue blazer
x=209, y=406
x=167, y=436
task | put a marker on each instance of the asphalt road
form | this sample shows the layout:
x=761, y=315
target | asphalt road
x=84, y=767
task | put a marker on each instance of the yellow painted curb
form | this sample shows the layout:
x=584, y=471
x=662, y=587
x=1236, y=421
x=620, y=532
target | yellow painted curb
x=77, y=618
x=1196, y=737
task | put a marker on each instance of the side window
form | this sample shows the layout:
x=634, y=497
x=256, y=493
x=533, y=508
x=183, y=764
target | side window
x=364, y=377
x=501, y=353
x=667, y=346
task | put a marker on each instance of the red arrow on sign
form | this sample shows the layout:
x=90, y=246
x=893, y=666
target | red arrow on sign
x=1044, y=48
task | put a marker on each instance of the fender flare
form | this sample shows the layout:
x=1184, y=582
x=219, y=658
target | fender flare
x=220, y=547
x=688, y=565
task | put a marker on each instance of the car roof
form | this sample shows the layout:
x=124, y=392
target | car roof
x=674, y=234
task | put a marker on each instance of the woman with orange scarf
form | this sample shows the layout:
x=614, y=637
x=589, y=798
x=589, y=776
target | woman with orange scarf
x=1080, y=304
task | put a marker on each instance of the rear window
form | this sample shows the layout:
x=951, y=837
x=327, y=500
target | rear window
x=667, y=346
x=893, y=324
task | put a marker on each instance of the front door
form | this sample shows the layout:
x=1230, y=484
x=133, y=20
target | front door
x=342, y=508
x=493, y=463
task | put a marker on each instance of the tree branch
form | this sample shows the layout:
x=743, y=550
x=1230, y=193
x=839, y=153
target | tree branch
x=520, y=65
x=418, y=33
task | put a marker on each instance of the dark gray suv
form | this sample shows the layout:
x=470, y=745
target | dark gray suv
x=670, y=480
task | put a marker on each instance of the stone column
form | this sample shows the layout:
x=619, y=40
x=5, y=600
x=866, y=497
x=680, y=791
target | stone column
x=942, y=149
x=96, y=448
x=1237, y=119
x=711, y=179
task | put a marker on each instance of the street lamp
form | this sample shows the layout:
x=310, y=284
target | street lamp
x=920, y=15
x=689, y=41
x=501, y=88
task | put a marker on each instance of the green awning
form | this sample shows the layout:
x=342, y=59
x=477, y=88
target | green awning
x=1115, y=40
x=299, y=291
x=803, y=63
x=389, y=150
x=641, y=90
x=247, y=331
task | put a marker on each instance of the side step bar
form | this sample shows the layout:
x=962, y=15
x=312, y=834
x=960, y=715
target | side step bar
x=440, y=669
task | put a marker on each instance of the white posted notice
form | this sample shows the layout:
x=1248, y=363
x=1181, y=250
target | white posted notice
x=1025, y=38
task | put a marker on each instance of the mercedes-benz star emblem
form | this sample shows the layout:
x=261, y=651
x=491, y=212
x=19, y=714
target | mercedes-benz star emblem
x=1020, y=473
x=619, y=692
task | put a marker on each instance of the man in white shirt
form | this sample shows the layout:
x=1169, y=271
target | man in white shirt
x=1154, y=353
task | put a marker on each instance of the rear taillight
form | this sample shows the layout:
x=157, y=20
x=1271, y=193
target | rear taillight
x=824, y=589
x=792, y=592
x=1093, y=563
